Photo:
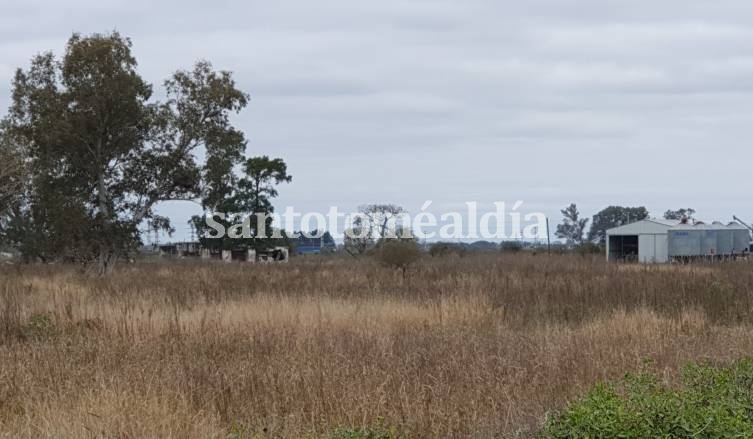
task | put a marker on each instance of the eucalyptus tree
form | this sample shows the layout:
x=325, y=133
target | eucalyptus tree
x=680, y=214
x=257, y=188
x=613, y=216
x=12, y=178
x=101, y=153
x=245, y=195
x=572, y=227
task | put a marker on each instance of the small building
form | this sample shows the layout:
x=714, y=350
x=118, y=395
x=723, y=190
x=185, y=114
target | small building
x=308, y=246
x=644, y=241
x=180, y=249
x=314, y=245
x=240, y=253
x=656, y=240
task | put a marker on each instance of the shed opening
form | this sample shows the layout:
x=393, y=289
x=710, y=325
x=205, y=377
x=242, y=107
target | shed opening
x=623, y=248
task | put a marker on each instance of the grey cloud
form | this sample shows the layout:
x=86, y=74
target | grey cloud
x=598, y=102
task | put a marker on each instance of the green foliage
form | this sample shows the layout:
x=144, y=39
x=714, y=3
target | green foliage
x=238, y=430
x=100, y=154
x=589, y=248
x=510, y=246
x=399, y=253
x=12, y=179
x=247, y=196
x=378, y=430
x=573, y=226
x=483, y=246
x=679, y=214
x=613, y=216
x=258, y=187
x=40, y=325
x=441, y=249
x=328, y=242
x=710, y=403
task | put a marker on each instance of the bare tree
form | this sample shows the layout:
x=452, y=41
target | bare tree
x=380, y=216
x=374, y=223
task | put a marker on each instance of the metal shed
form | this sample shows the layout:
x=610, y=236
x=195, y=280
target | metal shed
x=644, y=241
x=654, y=240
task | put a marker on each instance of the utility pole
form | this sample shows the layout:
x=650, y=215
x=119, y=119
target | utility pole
x=548, y=241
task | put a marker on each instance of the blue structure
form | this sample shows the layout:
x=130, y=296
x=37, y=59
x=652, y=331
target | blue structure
x=315, y=246
x=308, y=246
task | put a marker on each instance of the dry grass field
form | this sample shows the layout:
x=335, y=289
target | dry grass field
x=479, y=346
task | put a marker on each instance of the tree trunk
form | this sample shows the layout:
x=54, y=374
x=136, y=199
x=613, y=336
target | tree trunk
x=105, y=256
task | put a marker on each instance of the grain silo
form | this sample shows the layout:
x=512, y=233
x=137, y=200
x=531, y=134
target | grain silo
x=708, y=240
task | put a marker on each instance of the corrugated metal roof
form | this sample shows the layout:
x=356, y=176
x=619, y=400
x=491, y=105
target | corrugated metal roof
x=651, y=226
x=705, y=226
x=666, y=222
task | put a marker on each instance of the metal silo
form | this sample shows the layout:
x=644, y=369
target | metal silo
x=709, y=241
x=726, y=241
x=684, y=241
x=742, y=240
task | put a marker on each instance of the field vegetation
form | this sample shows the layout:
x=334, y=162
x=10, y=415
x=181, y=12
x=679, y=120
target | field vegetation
x=494, y=345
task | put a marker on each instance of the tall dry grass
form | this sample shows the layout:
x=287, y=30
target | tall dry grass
x=482, y=346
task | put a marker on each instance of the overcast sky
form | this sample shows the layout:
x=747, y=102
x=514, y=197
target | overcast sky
x=596, y=102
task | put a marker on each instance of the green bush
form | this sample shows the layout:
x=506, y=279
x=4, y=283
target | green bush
x=442, y=249
x=709, y=403
x=510, y=246
x=399, y=253
x=40, y=325
x=378, y=430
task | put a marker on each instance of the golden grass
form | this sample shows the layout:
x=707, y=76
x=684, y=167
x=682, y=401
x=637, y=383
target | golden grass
x=470, y=347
